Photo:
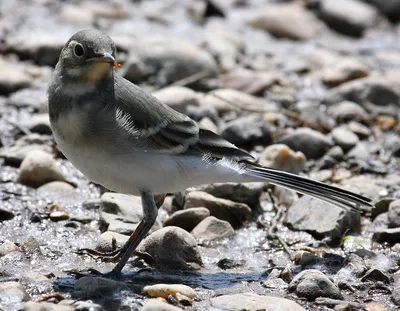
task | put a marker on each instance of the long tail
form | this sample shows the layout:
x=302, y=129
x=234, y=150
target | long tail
x=325, y=192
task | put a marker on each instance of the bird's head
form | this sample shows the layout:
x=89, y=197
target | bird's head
x=88, y=57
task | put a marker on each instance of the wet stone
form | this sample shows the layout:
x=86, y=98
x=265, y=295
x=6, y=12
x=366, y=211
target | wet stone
x=227, y=263
x=12, y=293
x=382, y=235
x=359, y=129
x=172, y=249
x=304, y=258
x=356, y=264
x=253, y=302
x=89, y=287
x=396, y=295
x=281, y=157
x=212, y=228
x=310, y=142
x=311, y=284
x=187, y=219
x=61, y=192
x=6, y=214
x=233, y=212
x=165, y=290
x=8, y=247
x=110, y=241
x=321, y=219
x=156, y=305
x=375, y=274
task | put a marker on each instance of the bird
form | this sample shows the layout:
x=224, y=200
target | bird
x=123, y=138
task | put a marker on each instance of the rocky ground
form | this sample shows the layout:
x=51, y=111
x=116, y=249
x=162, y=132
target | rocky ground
x=310, y=87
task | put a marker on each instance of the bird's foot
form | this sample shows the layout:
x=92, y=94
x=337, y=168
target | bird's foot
x=115, y=256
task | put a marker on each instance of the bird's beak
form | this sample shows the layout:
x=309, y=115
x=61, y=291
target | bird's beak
x=105, y=58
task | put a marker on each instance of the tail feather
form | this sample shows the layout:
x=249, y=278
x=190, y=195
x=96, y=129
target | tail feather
x=325, y=192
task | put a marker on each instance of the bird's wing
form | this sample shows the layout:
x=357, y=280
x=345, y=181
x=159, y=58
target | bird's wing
x=158, y=128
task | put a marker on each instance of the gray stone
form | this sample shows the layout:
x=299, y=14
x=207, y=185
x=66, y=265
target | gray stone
x=167, y=60
x=380, y=90
x=38, y=168
x=38, y=123
x=344, y=138
x=122, y=213
x=6, y=214
x=35, y=99
x=350, y=17
x=359, y=129
x=225, y=100
x=60, y=192
x=208, y=124
x=356, y=264
x=366, y=186
x=253, y=302
x=156, y=305
x=8, y=247
x=246, y=131
x=12, y=293
x=235, y=213
x=198, y=113
x=312, y=143
x=248, y=193
x=304, y=258
x=22, y=146
x=336, y=153
x=311, y=113
x=178, y=97
x=187, y=219
x=212, y=228
x=274, y=19
x=343, y=71
x=348, y=111
x=321, y=219
x=380, y=207
x=394, y=214
x=110, y=241
x=281, y=157
x=12, y=78
x=396, y=295
x=390, y=8
x=359, y=152
x=382, y=235
x=90, y=287
x=375, y=274
x=172, y=249
x=311, y=284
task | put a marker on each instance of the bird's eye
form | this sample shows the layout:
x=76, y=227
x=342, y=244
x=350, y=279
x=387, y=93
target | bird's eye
x=78, y=50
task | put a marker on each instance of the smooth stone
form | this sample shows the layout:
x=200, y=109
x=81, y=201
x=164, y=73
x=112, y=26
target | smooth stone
x=6, y=214
x=178, y=97
x=212, y=228
x=172, y=249
x=12, y=293
x=107, y=240
x=377, y=275
x=165, y=290
x=344, y=71
x=311, y=284
x=274, y=19
x=253, y=302
x=89, y=287
x=188, y=218
x=8, y=247
x=394, y=214
x=382, y=235
x=321, y=219
x=38, y=168
x=12, y=78
x=311, y=143
x=344, y=138
x=348, y=111
x=235, y=213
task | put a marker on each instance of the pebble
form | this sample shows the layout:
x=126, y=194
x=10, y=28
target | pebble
x=311, y=284
x=6, y=214
x=165, y=290
x=178, y=97
x=156, y=305
x=8, y=247
x=226, y=100
x=382, y=235
x=92, y=287
x=396, y=295
x=235, y=213
x=321, y=219
x=198, y=113
x=37, y=123
x=344, y=138
x=121, y=213
x=394, y=214
x=226, y=263
x=187, y=219
x=246, y=131
x=248, y=193
x=31, y=98
x=351, y=17
x=359, y=129
x=23, y=146
x=281, y=157
x=172, y=249
x=304, y=258
x=375, y=274
x=348, y=111
x=166, y=60
x=107, y=240
x=303, y=25
x=12, y=293
x=252, y=302
x=38, y=168
x=311, y=143
x=12, y=78
x=61, y=192
x=212, y=228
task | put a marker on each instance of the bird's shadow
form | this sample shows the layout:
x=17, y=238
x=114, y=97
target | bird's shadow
x=134, y=282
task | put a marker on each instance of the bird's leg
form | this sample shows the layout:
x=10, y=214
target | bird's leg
x=116, y=255
x=150, y=212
